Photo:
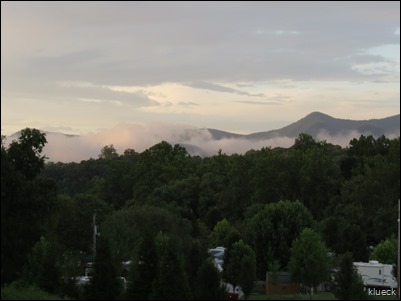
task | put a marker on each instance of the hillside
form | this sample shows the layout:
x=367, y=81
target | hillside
x=317, y=122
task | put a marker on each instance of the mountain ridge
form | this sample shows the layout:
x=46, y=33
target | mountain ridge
x=316, y=122
x=205, y=142
x=311, y=124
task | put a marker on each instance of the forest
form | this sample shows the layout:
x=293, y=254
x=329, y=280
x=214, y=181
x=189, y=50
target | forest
x=162, y=209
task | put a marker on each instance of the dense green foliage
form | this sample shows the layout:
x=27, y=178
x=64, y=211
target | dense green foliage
x=309, y=263
x=348, y=284
x=240, y=266
x=143, y=270
x=265, y=197
x=208, y=283
x=385, y=252
x=171, y=282
x=104, y=284
x=42, y=268
x=26, y=201
x=272, y=230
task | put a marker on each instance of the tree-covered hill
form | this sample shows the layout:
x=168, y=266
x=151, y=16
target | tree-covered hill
x=173, y=203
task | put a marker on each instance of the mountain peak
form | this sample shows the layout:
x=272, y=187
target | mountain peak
x=317, y=123
x=317, y=114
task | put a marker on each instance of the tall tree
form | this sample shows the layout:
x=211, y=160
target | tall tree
x=194, y=260
x=171, y=282
x=26, y=200
x=143, y=270
x=208, y=283
x=272, y=230
x=43, y=266
x=240, y=267
x=309, y=263
x=348, y=284
x=104, y=284
x=25, y=153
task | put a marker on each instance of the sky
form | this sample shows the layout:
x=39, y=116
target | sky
x=243, y=67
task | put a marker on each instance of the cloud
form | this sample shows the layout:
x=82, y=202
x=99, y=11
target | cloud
x=102, y=94
x=220, y=88
x=65, y=148
x=199, y=142
x=272, y=100
x=262, y=103
x=188, y=103
x=344, y=138
x=120, y=44
x=114, y=102
x=286, y=32
x=217, y=50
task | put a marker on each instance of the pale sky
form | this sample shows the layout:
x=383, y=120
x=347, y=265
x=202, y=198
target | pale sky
x=81, y=67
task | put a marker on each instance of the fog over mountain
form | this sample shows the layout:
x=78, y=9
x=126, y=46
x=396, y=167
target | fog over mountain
x=207, y=142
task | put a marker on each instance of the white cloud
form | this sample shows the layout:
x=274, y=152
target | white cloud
x=286, y=32
x=93, y=100
x=140, y=137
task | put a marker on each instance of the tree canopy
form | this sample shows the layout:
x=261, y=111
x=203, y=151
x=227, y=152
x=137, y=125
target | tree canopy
x=309, y=263
x=265, y=197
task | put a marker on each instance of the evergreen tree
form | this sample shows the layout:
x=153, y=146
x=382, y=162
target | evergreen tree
x=105, y=283
x=172, y=281
x=43, y=268
x=143, y=271
x=208, y=283
x=240, y=267
x=348, y=284
x=194, y=260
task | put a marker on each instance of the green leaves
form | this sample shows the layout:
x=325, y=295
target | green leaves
x=309, y=263
x=171, y=282
x=26, y=200
x=272, y=230
x=25, y=153
x=348, y=284
x=385, y=252
x=104, y=284
x=240, y=266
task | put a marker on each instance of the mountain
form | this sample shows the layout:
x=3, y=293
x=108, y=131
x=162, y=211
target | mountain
x=17, y=134
x=218, y=135
x=318, y=123
x=207, y=142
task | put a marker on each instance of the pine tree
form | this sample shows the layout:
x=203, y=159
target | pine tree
x=171, y=282
x=105, y=284
x=143, y=270
x=348, y=282
x=208, y=283
x=240, y=266
x=42, y=268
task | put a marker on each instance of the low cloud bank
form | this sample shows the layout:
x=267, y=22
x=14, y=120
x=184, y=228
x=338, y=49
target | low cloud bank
x=63, y=148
